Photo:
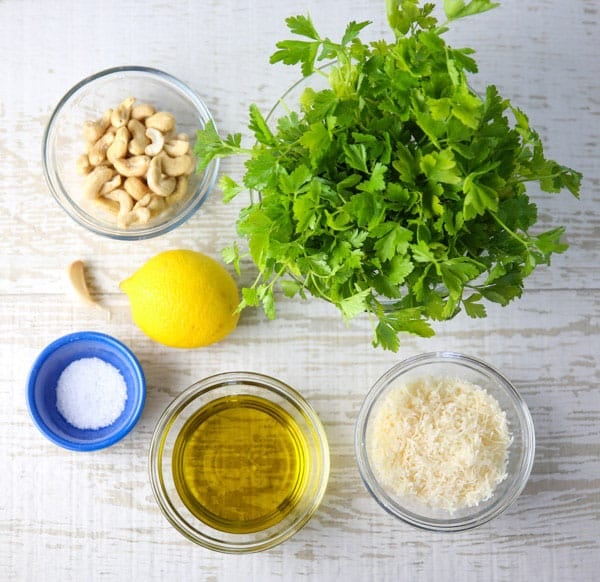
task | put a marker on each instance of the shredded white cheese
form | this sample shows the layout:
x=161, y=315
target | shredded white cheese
x=443, y=441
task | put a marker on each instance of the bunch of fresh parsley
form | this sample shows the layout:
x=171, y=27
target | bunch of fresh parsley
x=397, y=191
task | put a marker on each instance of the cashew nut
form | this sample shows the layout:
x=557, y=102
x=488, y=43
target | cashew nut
x=111, y=185
x=94, y=130
x=157, y=182
x=125, y=201
x=182, y=165
x=157, y=203
x=97, y=153
x=139, y=215
x=133, y=166
x=139, y=141
x=83, y=165
x=121, y=115
x=142, y=214
x=136, y=164
x=136, y=187
x=95, y=179
x=152, y=202
x=180, y=191
x=110, y=206
x=161, y=120
x=177, y=147
x=142, y=111
x=125, y=205
x=157, y=139
x=144, y=200
x=118, y=148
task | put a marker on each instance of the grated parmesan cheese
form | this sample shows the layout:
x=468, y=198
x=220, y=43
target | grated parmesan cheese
x=443, y=441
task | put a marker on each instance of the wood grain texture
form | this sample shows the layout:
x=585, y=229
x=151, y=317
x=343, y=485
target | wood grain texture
x=68, y=516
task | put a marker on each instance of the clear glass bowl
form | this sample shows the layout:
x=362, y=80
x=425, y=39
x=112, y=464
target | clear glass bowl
x=63, y=143
x=521, y=451
x=190, y=511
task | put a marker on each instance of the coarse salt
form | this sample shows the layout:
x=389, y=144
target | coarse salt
x=91, y=393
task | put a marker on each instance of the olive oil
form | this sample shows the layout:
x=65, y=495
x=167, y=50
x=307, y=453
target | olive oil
x=240, y=464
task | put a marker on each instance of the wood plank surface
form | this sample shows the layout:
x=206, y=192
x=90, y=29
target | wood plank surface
x=87, y=517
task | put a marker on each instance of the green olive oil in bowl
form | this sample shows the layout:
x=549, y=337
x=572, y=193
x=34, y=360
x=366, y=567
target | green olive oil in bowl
x=239, y=462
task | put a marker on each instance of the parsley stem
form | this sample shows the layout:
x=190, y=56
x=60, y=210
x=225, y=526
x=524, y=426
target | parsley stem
x=509, y=231
x=539, y=177
x=273, y=279
x=315, y=285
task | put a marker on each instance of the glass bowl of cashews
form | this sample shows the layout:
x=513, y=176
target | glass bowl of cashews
x=118, y=153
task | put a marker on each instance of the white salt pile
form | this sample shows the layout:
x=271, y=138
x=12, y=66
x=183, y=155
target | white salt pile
x=91, y=393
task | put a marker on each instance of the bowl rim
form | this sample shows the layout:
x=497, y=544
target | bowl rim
x=203, y=387
x=87, y=221
x=106, y=340
x=452, y=524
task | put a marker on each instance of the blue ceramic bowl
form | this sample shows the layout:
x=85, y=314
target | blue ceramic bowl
x=43, y=379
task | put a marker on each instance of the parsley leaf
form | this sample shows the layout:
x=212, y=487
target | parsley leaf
x=396, y=190
x=459, y=9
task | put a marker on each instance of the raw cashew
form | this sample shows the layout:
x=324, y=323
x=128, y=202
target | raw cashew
x=97, y=153
x=125, y=205
x=94, y=130
x=121, y=115
x=125, y=201
x=140, y=215
x=133, y=166
x=144, y=200
x=157, y=139
x=182, y=165
x=83, y=165
x=157, y=182
x=157, y=203
x=109, y=205
x=136, y=165
x=142, y=111
x=162, y=120
x=139, y=141
x=111, y=185
x=177, y=147
x=118, y=148
x=95, y=180
x=151, y=201
x=136, y=187
x=180, y=191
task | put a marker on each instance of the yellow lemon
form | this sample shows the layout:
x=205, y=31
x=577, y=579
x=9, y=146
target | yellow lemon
x=183, y=299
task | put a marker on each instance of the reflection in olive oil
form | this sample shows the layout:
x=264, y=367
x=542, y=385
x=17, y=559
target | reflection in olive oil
x=239, y=464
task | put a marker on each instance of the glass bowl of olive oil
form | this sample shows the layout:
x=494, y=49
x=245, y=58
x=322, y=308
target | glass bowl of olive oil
x=239, y=462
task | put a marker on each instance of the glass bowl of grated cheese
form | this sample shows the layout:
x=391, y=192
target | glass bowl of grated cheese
x=444, y=442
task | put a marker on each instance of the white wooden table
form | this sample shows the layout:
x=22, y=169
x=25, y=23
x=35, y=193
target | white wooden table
x=86, y=517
